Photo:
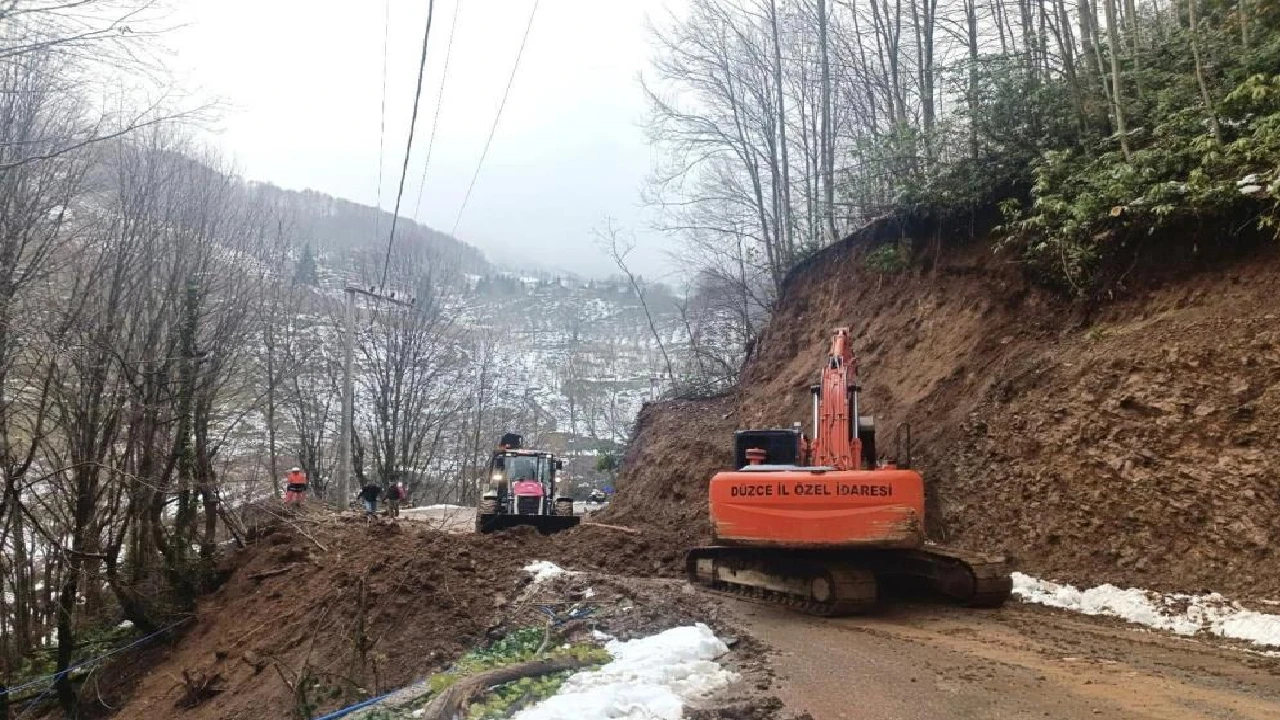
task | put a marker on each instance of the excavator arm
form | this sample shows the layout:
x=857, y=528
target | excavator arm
x=835, y=443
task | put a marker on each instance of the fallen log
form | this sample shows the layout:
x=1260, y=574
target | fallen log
x=623, y=528
x=453, y=700
x=260, y=576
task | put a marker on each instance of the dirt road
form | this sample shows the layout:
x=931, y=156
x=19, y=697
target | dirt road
x=924, y=662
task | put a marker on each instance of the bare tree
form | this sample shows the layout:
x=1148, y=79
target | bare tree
x=618, y=248
x=411, y=384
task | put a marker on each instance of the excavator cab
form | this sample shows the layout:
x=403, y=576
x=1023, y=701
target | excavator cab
x=522, y=490
x=781, y=447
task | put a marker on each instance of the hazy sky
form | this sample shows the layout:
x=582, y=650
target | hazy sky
x=302, y=80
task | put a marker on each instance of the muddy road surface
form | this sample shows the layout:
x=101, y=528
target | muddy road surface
x=930, y=662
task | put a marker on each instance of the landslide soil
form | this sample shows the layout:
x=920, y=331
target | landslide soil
x=366, y=608
x=1133, y=440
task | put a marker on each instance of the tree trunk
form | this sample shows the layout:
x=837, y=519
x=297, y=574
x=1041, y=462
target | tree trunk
x=1117, y=95
x=788, y=225
x=922, y=22
x=971, y=32
x=22, y=586
x=1131, y=15
x=1243, y=9
x=67, y=639
x=452, y=701
x=1089, y=26
x=84, y=479
x=826, y=132
x=1193, y=27
x=269, y=344
x=1066, y=47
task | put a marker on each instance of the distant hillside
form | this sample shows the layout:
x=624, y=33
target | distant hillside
x=343, y=229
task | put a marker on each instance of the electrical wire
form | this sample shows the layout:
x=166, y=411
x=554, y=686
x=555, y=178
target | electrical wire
x=358, y=706
x=413, y=121
x=382, y=122
x=54, y=677
x=435, y=120
x=498, y=116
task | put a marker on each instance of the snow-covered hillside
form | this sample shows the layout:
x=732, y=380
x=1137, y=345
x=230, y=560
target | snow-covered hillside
x=566, y=362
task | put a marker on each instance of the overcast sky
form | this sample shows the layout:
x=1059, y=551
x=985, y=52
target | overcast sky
x=302, y=80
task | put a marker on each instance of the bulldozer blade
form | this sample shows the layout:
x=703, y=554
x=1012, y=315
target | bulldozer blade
x=545, y=524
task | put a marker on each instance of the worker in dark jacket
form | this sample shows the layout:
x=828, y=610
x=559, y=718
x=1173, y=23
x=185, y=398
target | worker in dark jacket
x=369, y=495
x=395, y=496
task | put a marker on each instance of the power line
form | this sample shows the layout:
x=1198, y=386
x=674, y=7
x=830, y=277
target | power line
x=496, y=117
x=413, y=121
x=382, y=123
x=435, y=121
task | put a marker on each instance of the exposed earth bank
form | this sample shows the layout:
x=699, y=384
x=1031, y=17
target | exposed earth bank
x=1133, y=440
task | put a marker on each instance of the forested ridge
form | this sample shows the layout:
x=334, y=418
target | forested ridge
x=786, y=125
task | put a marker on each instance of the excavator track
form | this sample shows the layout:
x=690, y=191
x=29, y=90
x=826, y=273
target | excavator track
x=970, y=579
x=834, y=583
x=802, y=583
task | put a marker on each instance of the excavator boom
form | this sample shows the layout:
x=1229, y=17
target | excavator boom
x=834, y=444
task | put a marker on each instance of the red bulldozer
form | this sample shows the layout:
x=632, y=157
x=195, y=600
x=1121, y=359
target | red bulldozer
x=523, y=487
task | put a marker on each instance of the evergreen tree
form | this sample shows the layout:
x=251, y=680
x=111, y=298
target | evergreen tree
x=306, y=270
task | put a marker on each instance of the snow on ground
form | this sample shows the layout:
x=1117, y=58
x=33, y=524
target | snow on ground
x=1175, y=612
x=649, y=677
x=543, y=570
x=427, y=508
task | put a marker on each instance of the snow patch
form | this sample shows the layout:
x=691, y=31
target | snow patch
x=650, y=677
x=543, y=570
x=1179, y=613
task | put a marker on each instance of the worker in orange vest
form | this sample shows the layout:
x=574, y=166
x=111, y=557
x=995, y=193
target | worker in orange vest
x=295, y=487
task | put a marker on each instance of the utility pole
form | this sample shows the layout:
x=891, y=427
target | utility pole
x=348, y=388
x=348, y=402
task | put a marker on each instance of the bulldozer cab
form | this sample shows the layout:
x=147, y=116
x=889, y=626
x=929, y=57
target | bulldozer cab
x=512, y=466
x=524, y=490
x=515, y=467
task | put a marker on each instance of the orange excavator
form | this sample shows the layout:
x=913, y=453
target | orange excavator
x=819, y=525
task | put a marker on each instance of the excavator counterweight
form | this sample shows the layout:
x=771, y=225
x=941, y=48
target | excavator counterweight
x=819, y=524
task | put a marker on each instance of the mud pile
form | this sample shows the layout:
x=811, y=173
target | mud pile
x=662, y=488
x=329, y=612
x=1139, y=446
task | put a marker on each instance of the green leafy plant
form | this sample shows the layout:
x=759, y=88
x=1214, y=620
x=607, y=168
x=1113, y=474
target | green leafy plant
x=517, y=647
x=886, y=259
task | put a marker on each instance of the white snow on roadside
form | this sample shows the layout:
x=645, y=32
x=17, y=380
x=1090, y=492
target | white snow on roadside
x=649, y=678
x=425, y=508
x=543, y=570
x=1179, y=613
